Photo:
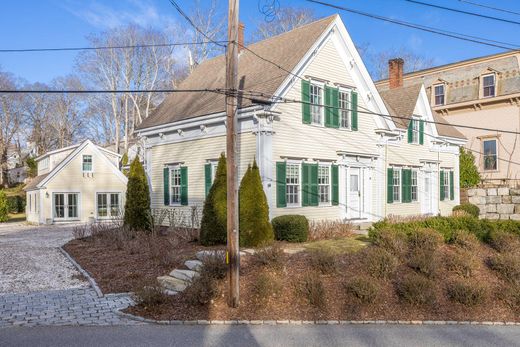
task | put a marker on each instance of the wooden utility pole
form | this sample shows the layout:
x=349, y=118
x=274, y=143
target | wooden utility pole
x=233, y=254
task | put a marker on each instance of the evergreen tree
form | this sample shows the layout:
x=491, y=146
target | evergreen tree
x=124, y=162
x=469, y=175
x=4, y=207
x=137, y=206
x=213, y=228
x=255, y=228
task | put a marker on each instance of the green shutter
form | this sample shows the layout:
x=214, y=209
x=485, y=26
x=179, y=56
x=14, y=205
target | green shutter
x=421, y=132
x=335, y=186
x=207, y=177
x=314, y=197
x=184, y=185
x=410, y=131
x=441, y=184
x=406, y=182
x=452, y=187
x=328, y=109
x=281, y=170
x=403, y=186
x=166, y=185
x=335, y=105
x=306, y=190
x=306, y=107
x=354, y=112
x=390, y=186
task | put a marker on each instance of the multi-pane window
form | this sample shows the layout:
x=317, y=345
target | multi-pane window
x=490, y=155
x=415, y=131
x=316, y=100
x=439, y=94
x=87, y=163
x=344, y=105
x=292, y=180
x=324, y=183
x=488, y=83
x=414, y=185
x=396, y=183
x=446, y=184
x=175, y=186
x=108, y=205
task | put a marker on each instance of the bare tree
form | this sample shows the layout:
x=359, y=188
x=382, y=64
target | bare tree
x=11, y=119
x=378, y=62
x=285, y=19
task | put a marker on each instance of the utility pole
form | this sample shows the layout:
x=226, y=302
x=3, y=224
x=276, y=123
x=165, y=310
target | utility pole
x=233, y=254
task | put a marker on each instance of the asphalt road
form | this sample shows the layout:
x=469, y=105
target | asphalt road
x=350, y=335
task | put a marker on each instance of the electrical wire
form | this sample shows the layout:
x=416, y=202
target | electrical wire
x=464, y=12
x=458, y=36
x=119, y=91
x=490, y=7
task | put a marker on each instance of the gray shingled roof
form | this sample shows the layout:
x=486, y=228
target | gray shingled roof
x=401, y=102
x=35, y=181
x=286, y=50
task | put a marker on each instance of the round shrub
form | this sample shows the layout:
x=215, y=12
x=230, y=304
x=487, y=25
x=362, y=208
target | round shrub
x=324, y=261
x=507, y=265
x=416, y=290
x=363, y=288
x=426, y=239
x=466, y=292
x=391, y=240
x=378, y=262
x=470, y=209
x=464, y=239
x=292, y=228
x=424, y=261
x=462, y=262
x=504, y=241
x=4, y=207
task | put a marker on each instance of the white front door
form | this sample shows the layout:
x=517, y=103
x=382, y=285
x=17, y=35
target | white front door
x=354, y=193
x=65, y=206
x=427, y=196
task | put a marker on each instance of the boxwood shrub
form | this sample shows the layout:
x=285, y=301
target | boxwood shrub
x=292, y=228
x=470, y=209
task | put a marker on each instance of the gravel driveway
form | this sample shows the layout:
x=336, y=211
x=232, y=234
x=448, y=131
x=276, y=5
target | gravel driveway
x=31, y=261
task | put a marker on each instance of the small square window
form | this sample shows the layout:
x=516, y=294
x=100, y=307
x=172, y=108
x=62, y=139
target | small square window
x=87, y=163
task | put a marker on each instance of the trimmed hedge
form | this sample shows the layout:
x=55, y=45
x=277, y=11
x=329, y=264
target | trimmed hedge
x=291, y=227
x=470, y=209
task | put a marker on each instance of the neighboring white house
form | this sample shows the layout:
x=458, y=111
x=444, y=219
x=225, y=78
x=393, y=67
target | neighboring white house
x=327, y=143
x=76, y=183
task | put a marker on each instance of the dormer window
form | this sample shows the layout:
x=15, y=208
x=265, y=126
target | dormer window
x=488, y=85
x=87, y=163
x=439, y=94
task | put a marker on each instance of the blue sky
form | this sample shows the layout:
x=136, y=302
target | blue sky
x=62, y=23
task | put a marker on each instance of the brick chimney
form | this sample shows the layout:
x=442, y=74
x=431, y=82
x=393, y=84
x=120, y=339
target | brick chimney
x=241, y=27
x=395, y=72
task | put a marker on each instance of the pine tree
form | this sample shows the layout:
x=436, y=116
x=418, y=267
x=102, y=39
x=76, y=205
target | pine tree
x=137, y=206
x=213, y=227
x=469, y=175
x=255, y=228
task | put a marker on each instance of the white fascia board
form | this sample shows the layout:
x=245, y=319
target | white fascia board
x=109, y=151
x=56, y=151
x=196, y=121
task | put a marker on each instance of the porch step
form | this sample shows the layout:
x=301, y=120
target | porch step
x=364, y=226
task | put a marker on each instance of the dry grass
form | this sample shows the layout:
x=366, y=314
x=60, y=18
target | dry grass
x=325, y=230
x=343, y=245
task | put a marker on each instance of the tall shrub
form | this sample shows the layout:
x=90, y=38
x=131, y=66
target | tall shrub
x=213, y=223
x=33, y=167
x=4, y=207
x=137, y=206
x=255, y=228
x=469, y=176
x=124, y=162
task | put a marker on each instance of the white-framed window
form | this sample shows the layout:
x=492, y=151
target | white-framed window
x=396, y=183
x=415, y=130
x=345, y=107
x=324, y=184
x=439, y=93
x=175, y=185
x=87, y=163
x=446, y=185
x=108, y=205
x=490, y=155
x=292, y=181
x=488, y=85
x=414, y=186
x=316, y=100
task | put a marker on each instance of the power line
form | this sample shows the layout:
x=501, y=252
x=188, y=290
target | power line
x=188, y=19
x=57, y=49
x=102, y=91
x=463, y=37
x=464, y=12
x=490, y=7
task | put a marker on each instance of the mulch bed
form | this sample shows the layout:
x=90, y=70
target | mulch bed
x=119, y=270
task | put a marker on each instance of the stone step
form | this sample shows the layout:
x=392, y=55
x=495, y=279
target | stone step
x=194, y=265
x=184, y=275
x=172, y=283
x=202, y=255
x=170, y=292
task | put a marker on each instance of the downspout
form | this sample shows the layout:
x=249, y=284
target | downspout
x=439, y=180
x=385, y=174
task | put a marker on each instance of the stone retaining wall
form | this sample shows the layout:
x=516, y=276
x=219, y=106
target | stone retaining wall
x=496, y=203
